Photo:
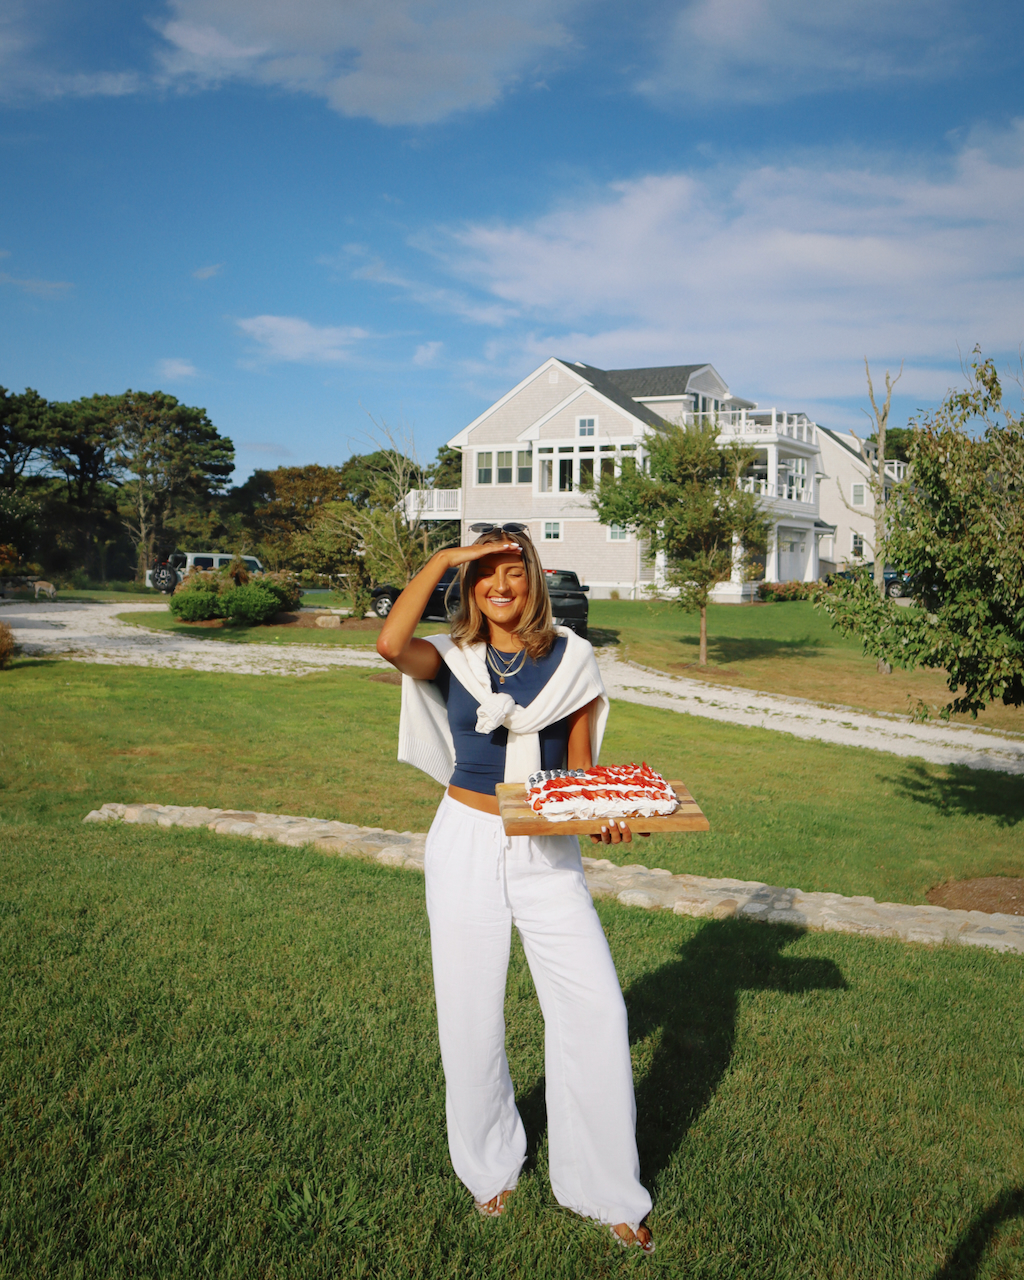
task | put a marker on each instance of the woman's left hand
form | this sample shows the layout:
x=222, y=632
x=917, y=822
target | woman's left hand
x=616, y=833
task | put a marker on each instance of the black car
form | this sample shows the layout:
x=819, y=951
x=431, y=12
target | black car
x=569, y=603
x=439, y=606
x=897, y=582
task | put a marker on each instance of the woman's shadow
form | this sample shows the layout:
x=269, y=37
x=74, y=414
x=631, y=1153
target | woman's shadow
x=694, y=1000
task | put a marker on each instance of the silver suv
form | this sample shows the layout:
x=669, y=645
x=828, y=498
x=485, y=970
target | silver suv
x=166, y=575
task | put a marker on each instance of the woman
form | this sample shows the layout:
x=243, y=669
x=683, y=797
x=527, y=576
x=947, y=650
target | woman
x=505, y=694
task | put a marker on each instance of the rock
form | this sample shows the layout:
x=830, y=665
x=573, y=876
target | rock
x=633, y=885
x=329, y=621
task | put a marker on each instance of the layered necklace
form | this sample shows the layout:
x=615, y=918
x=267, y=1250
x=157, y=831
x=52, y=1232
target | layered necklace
x=500, y=667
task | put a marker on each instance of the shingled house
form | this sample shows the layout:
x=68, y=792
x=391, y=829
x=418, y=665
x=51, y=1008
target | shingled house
x=536, y=453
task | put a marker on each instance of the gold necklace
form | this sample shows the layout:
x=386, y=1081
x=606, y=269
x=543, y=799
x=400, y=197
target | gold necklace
x=510, y=669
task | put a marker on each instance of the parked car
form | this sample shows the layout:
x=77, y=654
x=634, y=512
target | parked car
x=168, y=572
x=569, y=603
x=898, y=582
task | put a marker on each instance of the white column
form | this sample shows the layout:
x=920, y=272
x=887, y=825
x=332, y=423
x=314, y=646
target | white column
x=771, y=565
x=811, y=573
x=773, y=471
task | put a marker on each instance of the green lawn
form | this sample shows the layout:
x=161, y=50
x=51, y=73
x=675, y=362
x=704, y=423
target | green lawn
x=781, y=648
x=196, y=1027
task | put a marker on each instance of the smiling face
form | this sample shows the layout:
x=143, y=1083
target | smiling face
x=501, y=588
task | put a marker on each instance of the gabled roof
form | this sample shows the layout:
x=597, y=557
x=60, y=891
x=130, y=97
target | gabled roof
x=659, y=380
x=848, y=445
x=612, y=390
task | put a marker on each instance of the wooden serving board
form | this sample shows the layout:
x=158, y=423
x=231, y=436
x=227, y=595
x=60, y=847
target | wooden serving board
x=520, y=819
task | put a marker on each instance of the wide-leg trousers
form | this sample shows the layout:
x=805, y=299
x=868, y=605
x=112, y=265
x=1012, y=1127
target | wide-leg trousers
x=479, y=883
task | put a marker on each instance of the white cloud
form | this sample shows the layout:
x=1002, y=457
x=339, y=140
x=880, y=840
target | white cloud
x=783, y=277
x=771, y=50
x=290, y=338
x=404, y=62
x=207, y=273
x=39, y=288
x=450, y=301
x=427, y=353
x=174, y=370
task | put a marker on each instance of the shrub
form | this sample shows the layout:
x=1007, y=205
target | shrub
x=196, y=606
x=197, y=598
x=285, y=587
x=7, y=646
x=252, y=604
x=781, y=591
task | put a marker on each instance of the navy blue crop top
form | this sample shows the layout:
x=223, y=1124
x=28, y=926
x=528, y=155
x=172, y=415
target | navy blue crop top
x=479, y=757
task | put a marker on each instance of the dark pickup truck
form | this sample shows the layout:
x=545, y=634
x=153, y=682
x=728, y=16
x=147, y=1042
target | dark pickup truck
x=569, y=603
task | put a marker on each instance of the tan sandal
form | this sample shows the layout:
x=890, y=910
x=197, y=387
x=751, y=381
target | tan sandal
x=494, y=1207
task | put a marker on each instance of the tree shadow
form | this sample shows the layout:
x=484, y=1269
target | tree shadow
x=694, y=1001
x=725, y=649
x=964, y=792
x=601, y=636
x=965, y=1260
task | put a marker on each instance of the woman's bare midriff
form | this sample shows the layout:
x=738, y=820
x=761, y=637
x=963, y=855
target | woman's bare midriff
x=474, y=800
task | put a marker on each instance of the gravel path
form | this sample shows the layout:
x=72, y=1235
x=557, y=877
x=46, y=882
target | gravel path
x=92, y=633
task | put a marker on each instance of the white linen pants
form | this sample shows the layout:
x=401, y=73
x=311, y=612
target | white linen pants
x=479, y=883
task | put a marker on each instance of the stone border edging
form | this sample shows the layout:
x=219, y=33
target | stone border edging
x=633, y=885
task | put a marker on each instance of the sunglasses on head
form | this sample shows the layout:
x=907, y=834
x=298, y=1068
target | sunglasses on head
x=501, y=528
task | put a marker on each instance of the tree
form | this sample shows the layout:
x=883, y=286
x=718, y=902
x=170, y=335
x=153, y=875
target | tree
x=688, y=503
x=24, y=433
x=81, y=447
x=174, y=457
x=957, y=523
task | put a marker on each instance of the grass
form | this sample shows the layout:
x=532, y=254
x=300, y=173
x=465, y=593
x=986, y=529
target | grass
x=782, y=809
x=781, y=648
x=218, y=1057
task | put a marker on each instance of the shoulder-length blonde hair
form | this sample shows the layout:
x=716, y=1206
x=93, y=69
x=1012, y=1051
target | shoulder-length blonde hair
x=536, y=629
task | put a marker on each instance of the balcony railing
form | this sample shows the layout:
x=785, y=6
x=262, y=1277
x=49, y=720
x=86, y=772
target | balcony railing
x=433, y=504
x=757, y=422
x=783, y=491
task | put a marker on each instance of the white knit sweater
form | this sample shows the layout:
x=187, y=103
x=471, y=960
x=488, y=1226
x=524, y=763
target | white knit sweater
x=425, y=740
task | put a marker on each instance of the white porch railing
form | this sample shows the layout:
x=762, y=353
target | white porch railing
x=757, y=422
x=433, y=504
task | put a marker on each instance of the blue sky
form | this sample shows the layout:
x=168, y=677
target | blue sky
x=301, y=216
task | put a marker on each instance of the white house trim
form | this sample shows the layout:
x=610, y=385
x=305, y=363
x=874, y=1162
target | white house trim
x=533, y=431
x=458, y=441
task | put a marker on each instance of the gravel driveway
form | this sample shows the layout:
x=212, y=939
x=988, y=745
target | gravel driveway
x=93, y=633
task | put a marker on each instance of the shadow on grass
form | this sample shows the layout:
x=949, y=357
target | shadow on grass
x=965, y=1260
x=693, y=1001
x=600, y=636
x=964, y=793
x=725, y=649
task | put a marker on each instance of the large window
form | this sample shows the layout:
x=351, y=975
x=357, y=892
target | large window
x=524, y=466
x=505, y=467
x=586, y=474
x=607, y=468
x=545, y=467
x=587, y=426
x=565, y=475
x=484, y=474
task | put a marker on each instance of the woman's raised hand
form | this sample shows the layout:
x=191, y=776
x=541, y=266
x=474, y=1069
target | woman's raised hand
x=457, y=556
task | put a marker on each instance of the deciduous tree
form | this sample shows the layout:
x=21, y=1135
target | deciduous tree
x=957, y=523
x=688, y=502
